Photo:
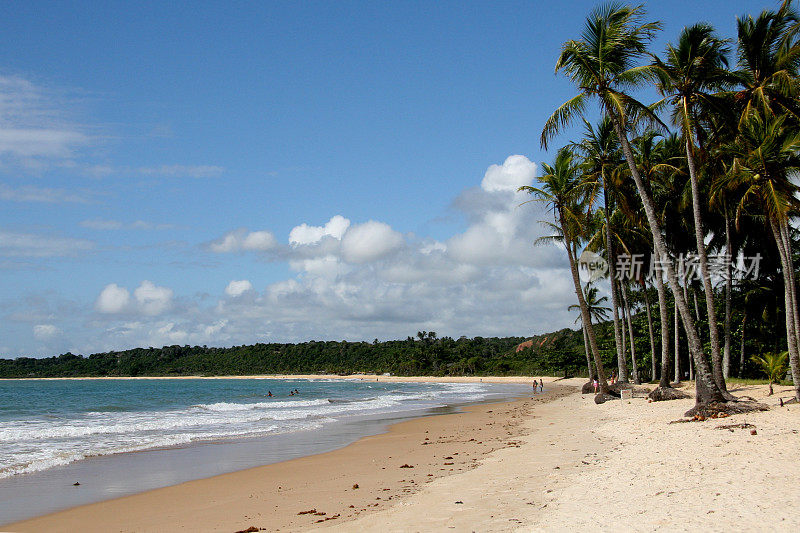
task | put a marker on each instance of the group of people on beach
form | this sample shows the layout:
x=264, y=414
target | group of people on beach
x=611, y=380
x=540, y=385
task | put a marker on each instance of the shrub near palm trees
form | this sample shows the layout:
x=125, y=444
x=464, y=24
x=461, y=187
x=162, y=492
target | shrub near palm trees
x=773, y=365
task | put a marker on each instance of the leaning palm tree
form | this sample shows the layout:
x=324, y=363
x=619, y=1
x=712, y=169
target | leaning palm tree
x=564, y=191
x=602, y=65
x=693, y=69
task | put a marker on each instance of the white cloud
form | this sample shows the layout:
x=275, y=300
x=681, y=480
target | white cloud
x=237, y=288
x=516, y=171
x=13, y=244
x=112, y=299
x=46, y=195
x=153, y=300
x=305, y=234
x=354, y=281
x=31, y=124
x=45, y=331
x=367, y=242
x=259, y=241
x=328, y=266
x=242, y=240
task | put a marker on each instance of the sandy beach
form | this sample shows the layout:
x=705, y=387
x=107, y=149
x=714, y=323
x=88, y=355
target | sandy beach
x=550, y=463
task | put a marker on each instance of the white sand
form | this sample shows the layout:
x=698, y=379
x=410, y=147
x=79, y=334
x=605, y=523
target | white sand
x=620, y=467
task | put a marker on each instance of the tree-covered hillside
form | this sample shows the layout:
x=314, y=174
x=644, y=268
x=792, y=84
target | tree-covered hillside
x=557, y=353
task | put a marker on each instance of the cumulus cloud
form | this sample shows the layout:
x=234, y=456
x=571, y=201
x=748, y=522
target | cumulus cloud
x=112, y=299
x=363, y=280
x=45, y=331
x=148, y=300
x=153, y=300
x=369, y=241
x=502, y=228
x=305, y=234
x=516, y=171
x=237, y=288
x=241, y=240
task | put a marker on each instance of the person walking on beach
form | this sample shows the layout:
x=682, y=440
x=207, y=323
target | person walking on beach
x=541, y=385
x=594, y=382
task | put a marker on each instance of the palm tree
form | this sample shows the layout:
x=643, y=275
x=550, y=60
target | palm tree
x=626, y=312
x=601, y=64
x=600, y=150
x=598, y=312
x=768, y=57
x=694, y=68
x=564, y=191
x=773, y=365
x=766, y=154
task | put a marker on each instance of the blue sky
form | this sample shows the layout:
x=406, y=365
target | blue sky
x=156, y=158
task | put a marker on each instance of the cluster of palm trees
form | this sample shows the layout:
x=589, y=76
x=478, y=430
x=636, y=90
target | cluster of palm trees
x=720, y=181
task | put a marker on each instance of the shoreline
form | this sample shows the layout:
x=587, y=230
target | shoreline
x=386, y=428
x=362, y=377
x=554, y=462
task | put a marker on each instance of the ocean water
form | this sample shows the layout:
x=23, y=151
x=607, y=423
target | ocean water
x=56, y=433
x=46, y=424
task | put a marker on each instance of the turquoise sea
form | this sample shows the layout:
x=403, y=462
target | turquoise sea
x=55, y=431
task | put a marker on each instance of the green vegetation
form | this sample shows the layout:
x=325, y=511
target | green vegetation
x=425, y=354
x=773, y=365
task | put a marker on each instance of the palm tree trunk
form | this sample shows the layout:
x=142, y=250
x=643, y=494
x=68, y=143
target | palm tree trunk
x=622, y=360
x=791, y=331
x=741, y=346
x=790, y=262
x=716, y=359
x=627, y=312
x=664, y=313
x=586, y=350
x=726, y=346
x=653, y=369
x=707, y=389
x=677, y=347
x=612, y=265
x=686, y=295
x=585, y=316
